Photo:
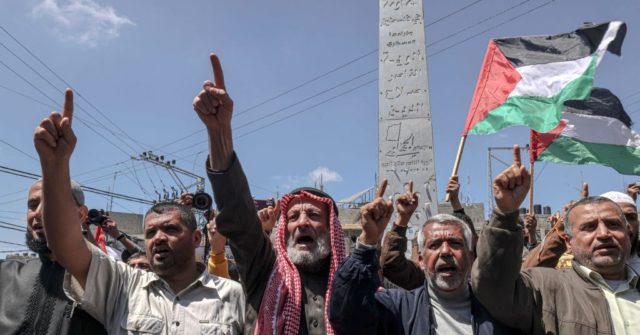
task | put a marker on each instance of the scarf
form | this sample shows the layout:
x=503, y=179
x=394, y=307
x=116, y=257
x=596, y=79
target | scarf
x=282, y=301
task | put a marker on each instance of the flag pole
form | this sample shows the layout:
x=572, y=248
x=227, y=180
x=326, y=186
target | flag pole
x=456, y=164
x=531, y=188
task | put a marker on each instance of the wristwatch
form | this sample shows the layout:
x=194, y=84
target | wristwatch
x=121, y=236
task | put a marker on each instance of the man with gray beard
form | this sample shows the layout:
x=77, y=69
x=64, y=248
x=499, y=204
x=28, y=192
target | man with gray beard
x=443, y=305
x=287, y=283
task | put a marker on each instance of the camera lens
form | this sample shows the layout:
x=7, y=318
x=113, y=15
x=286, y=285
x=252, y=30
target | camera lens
x=202, y=201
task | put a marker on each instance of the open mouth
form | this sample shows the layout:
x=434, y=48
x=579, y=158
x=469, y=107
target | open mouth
x=304, y=239
x=447, y=269
x=606, y=248
x=160, y=252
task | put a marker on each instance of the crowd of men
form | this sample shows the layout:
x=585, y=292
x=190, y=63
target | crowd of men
x=290, y=272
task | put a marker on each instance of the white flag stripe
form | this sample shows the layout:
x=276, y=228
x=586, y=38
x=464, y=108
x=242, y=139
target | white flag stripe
x=547, y=80
x=599, y=129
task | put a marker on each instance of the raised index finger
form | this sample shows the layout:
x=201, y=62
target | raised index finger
x=516, y=155
x=382, y=188
x=218, y=75
x=411, y=186
x=67, y=110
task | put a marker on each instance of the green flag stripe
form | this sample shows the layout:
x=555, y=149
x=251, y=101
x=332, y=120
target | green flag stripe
x=625, y=160
x=538, y=113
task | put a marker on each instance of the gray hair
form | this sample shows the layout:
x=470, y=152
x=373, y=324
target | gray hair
x=588, y=201
x=446, y=219
x=186, y=215
x=76, y=191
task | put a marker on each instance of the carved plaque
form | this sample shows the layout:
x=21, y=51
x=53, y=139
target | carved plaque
x=405, y=140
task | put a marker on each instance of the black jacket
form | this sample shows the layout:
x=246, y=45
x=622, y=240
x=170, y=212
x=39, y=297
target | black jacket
x=357, y=307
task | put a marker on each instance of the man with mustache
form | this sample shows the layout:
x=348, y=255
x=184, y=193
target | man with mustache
x=554, y=245
x=32, y=300
x=288, y=283
x=177, y=297
x=395, y=266
x=598, y=295
x=444, y=304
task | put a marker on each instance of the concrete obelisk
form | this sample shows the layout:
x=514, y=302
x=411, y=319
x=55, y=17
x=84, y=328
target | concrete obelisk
x=405, y=140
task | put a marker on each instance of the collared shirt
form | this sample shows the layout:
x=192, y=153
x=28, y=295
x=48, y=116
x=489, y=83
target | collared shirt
x=132, y=301
x=634, y=263
x=623, y=301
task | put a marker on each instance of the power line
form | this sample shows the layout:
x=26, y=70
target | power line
x=11, y=224
x=17, y=149
x=64, y=82
x=320, y=76
x=630, y=95
x=11, y=228
x=11, y=243
x=429, y=55
x=479, y=22
x=350, y=62
x=50, y=98
x=29, y=175
x=308, y=108
x=493, y=27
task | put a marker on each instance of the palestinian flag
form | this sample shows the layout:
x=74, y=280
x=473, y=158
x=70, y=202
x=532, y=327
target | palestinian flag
x=592, y=131
x=525, y=80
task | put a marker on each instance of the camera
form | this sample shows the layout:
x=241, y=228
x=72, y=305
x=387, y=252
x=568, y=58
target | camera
x=264, y=203
x=202, y=201
x=97, y=217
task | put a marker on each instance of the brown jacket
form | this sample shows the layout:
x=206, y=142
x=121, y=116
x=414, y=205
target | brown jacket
x=547, y=253
x=535, y=300
x=395, y=266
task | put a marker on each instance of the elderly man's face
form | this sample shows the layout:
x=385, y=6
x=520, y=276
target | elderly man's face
x=308, y=239
x=446, y=258
x=600, y=238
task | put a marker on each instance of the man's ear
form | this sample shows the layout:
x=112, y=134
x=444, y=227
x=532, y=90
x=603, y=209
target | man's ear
x=567, y=243
x=83, y=213
x=421, y=262
x=197, y=238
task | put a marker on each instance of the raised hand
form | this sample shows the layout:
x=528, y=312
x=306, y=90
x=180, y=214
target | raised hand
x=53, y=138
x=584, y=192
x=186, y=199
x=632, y=190
x=216, y=240
x=453, y=190
x=212, y=104
x=112, y=228
x=268, y=217
x=375, y=216
x=511, y=186
x=406, y=204
x=530, y=223
x=214, y=107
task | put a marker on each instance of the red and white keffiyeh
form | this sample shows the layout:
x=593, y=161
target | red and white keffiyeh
x=282, y=301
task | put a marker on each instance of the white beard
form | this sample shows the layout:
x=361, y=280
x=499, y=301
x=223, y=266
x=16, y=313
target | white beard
x=309, y=260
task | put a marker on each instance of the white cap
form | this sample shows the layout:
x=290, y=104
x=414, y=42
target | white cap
x=619, y=197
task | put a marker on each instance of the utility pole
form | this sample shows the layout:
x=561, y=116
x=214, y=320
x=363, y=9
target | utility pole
x=174, y=171
x=111, y=189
